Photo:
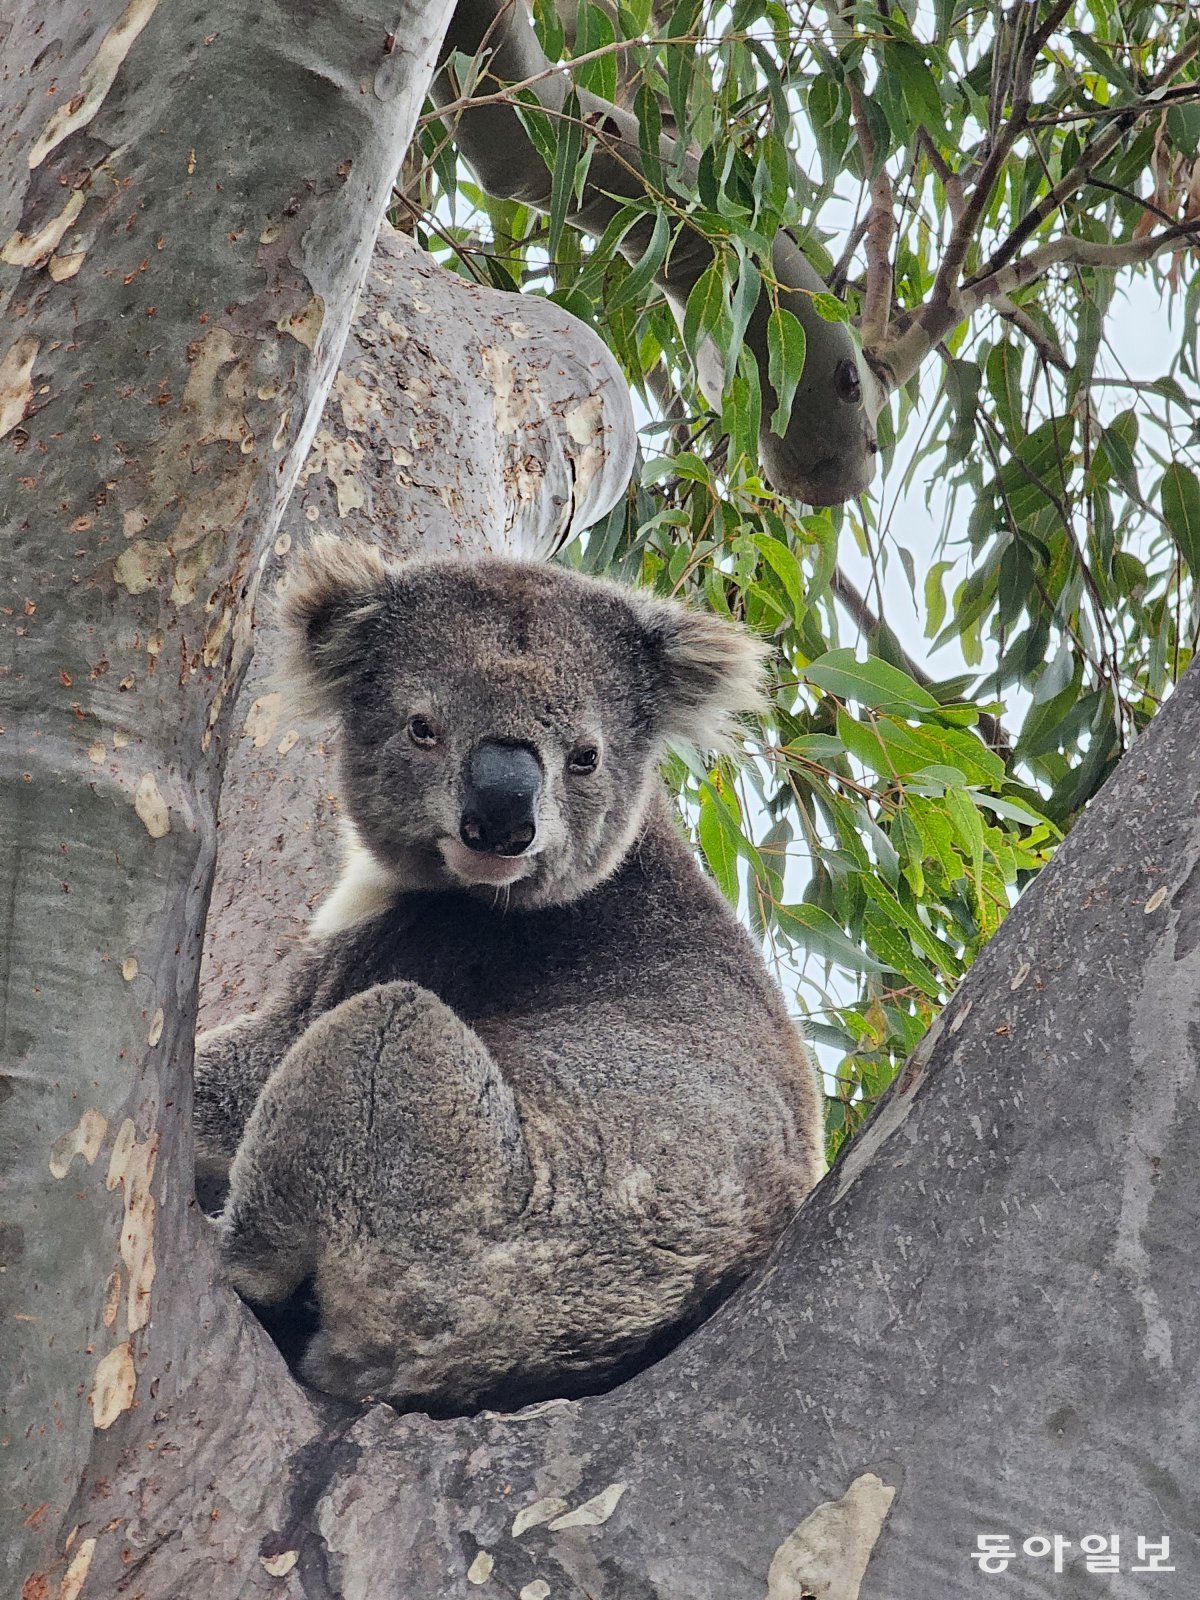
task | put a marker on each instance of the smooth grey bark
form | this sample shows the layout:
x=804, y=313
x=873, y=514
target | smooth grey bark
x=188, y=201
x=461, y=418
x=827, y=452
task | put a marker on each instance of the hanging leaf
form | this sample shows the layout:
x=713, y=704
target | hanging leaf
x=785, y=351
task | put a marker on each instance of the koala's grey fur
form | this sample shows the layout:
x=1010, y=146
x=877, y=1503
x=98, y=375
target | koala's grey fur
x=517, y=1136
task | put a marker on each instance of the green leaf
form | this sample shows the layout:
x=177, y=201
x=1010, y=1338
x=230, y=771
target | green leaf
x=1180, y=498
x=785, y=363
x=563, y=181
x=718, y=835
x=902, y=918
x=594, y=30
x=815, y=930
x=648, y=264
x=830, y=308
x=542, y=131
x=549, y=28
x=896, y=751
x=819, y=747
x=872, y=683
x=784, y=563
x=649, y=117
x=706, y=306
x=968, y=828
x=884, y=938
x=935, y=597
x=745, y=298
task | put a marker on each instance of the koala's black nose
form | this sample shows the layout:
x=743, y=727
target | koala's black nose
x=500, y=804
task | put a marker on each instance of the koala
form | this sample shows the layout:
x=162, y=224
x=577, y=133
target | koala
x=530, y=1105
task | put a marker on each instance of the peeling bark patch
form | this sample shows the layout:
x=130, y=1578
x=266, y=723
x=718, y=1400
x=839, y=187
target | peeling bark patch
x=156, y=1028
x=76, y=1574
x=340, y=460
x=540, y=1511
x=32, y=249
x=151, y=807
x=212, y=410
x=480, y=1569
x=825, y=1557
x=305, y=325
x=113, y=1387
x=16, y=382
x=510, y=400
x=592, y=1513
x=585, y=426
x=112, y=1298
x=61, y=268
x=139, y=567
x=132, y=1166
x=84, y=1139
x=539, y=1589
x=262, y=718
x=357, y=402
x=279, y=1566
x=96, y=79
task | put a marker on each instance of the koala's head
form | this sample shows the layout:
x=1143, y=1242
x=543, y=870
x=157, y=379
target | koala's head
x=502, y=721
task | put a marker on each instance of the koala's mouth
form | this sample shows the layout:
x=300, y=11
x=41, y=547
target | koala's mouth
x=477, y=867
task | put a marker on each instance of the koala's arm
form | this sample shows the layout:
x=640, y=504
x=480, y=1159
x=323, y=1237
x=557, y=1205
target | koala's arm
x=233, y=1062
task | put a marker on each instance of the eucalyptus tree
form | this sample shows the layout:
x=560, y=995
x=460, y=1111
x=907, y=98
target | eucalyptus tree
x=802, y=238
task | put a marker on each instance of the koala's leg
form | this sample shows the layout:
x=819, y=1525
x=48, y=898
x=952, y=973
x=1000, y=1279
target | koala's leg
x=233, y=1063
x=387, y=1136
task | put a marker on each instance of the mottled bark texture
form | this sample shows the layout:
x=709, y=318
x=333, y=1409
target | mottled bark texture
x=460, y=418
x=188, y=201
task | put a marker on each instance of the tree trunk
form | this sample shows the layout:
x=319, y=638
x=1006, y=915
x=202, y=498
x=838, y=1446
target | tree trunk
x=188, y=201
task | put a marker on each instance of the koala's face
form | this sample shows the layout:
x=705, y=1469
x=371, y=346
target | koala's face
x=502, y=721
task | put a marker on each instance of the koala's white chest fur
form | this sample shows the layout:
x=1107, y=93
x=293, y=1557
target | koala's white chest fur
x=365, y=888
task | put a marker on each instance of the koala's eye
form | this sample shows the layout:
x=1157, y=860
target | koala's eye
x=422, y=732
x=584, y=758
x=847, y=382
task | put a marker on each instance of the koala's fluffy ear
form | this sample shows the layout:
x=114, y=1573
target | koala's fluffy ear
x=336, y=586
x=706, y=668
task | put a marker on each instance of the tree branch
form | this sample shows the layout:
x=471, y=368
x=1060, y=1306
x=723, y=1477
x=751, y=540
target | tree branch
x=1098, y=150
x=880, y=230
x=963, y=233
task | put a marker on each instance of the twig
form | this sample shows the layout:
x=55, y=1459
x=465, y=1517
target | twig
x=952, y=183
x=898, y=360
x=1077, y=253
x=1045, y=344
